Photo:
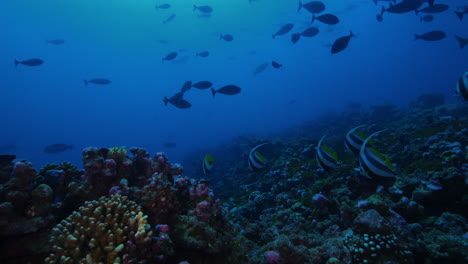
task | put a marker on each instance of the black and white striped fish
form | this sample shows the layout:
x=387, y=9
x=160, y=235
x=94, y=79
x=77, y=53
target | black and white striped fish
x=373, y=163
x=354, y=140
x=208, y=164
x=327, y=159
x=462, y=86
x=256, y=160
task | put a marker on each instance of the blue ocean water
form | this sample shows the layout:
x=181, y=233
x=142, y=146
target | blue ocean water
x=125, y=41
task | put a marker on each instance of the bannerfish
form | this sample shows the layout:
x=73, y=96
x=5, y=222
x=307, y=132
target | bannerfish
x=462, y=86
x=276, y=64
x=29, y=62
x=373, y=163
x=283, y=30
x=99, y=81
x=256, y=160
x=163, y=6
x=295, y=37
x=354, y=140
x=427, y=18
x=55, y=41
x=170, y=56
x=327, y=159
x=461, y=41
x=431, y=35
x=341, y=43
x=204, y=9
x=328, y=19
x=227, y=90
x=313, y=7
x=260, y=68
x=202, y=85
x=208, y=164
x=226, y=37
x=310, y=32
x=203, y=54
x=437, y=8
x=187, y=85
x=169, y=19
x=57, y=148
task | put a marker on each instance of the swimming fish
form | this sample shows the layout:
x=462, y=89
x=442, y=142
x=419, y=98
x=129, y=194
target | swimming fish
x=431, y=35
x=276, y=64
x=29, y=62
x=226, y=37
x=99, y=81
x=55, y=41
x=373, y=163
x=187, y=85
x=327, y=159
x=202, y=85
x=283, y=30
x=341, y=43
x=204, y=9
x=328, y=19
x=310, y=32
x=169, y=19
x=461, y=13
x=295, y=37
x=256, y=160
x=178, y=101
x=57, y=148
x=354, y=140
x=260, y=68
x=227, y=90
x=163, y=6
x=404, y=6
x=170, y=56
x=462, y=86
x=313, y=7
x=461, y=41
x=203, y=54
x=437, y=8
x=208, y=164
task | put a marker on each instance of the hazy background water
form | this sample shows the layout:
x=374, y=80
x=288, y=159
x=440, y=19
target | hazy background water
x=122, y=40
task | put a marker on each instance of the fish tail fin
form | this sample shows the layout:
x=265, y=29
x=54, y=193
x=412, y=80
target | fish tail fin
x=313, y=18
x=16, y=62
x=383, y=9
x=85, y=82
x=416, y=37
x=213, y=92
x=194, y=7
x=459, y=14
x=165, y=100
x=300, y=6
x=351, y=34
x=461, y=42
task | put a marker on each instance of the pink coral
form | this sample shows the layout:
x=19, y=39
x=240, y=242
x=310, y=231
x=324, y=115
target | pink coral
x=272, y=257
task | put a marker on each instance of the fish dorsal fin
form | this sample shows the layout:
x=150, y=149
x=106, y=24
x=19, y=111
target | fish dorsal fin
x=256, y=147
x=354, y=129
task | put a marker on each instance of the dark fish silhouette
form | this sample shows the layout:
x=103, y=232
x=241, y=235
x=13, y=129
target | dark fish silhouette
x=431, y=35
x=99, y=81
x=55, y=41
x=310, y=32
x=328, y=19
x=29, y=62
x=295, y=37
x=204, y=9
x=178, y=101
x=276, y=64
x=460, y=14
x=187, y=85
x=203, y=54
x=202, y=85
x=57, y=148
x=227, y=90
x=313, y=7
x=461, y=41
x=437, y=8
x=170, y=56
x=283, y=30
x=341, y=43
x=169, y=19
x=404, y=6
x=163, y=6
x=226, y=37
x=260, y=68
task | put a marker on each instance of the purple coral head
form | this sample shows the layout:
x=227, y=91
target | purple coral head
x=320, y=199
x=162, y=228
x=272, y=257
x=115, y=189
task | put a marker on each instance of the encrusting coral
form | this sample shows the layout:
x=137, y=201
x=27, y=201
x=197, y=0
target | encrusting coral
x=99, y=231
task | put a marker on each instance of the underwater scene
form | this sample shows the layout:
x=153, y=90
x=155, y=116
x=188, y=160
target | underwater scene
x=234, y=131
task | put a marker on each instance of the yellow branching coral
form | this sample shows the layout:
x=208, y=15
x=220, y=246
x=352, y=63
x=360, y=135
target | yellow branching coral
x=118, y=154
x=97, y=233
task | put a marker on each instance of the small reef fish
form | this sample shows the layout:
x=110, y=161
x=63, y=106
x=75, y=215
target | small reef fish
x=373, y=163
x=341, y=43
x=354, y=140
x=461, y=41
x=55, y=41
x=57, y=148
x=327, y=159
x=170, y=56
x=226, y=37
x=431, y=35
x=169, y=19
x=202, y=85
x=256, y=160
x=99, y=81
x=204, y=9
x=276, y=65
x=187, y=85
x=437, y=8
x=283, y=30
x=203, y=54
x=310, y=32
x=29, y=62
x=313, y=7
x=295, y=37
x=404, y=6
x=328, y=19
x=227, y=90
x=163, y=6
x=260, y=68
x=462, y=86
x=208, y=164
x=178, y=101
